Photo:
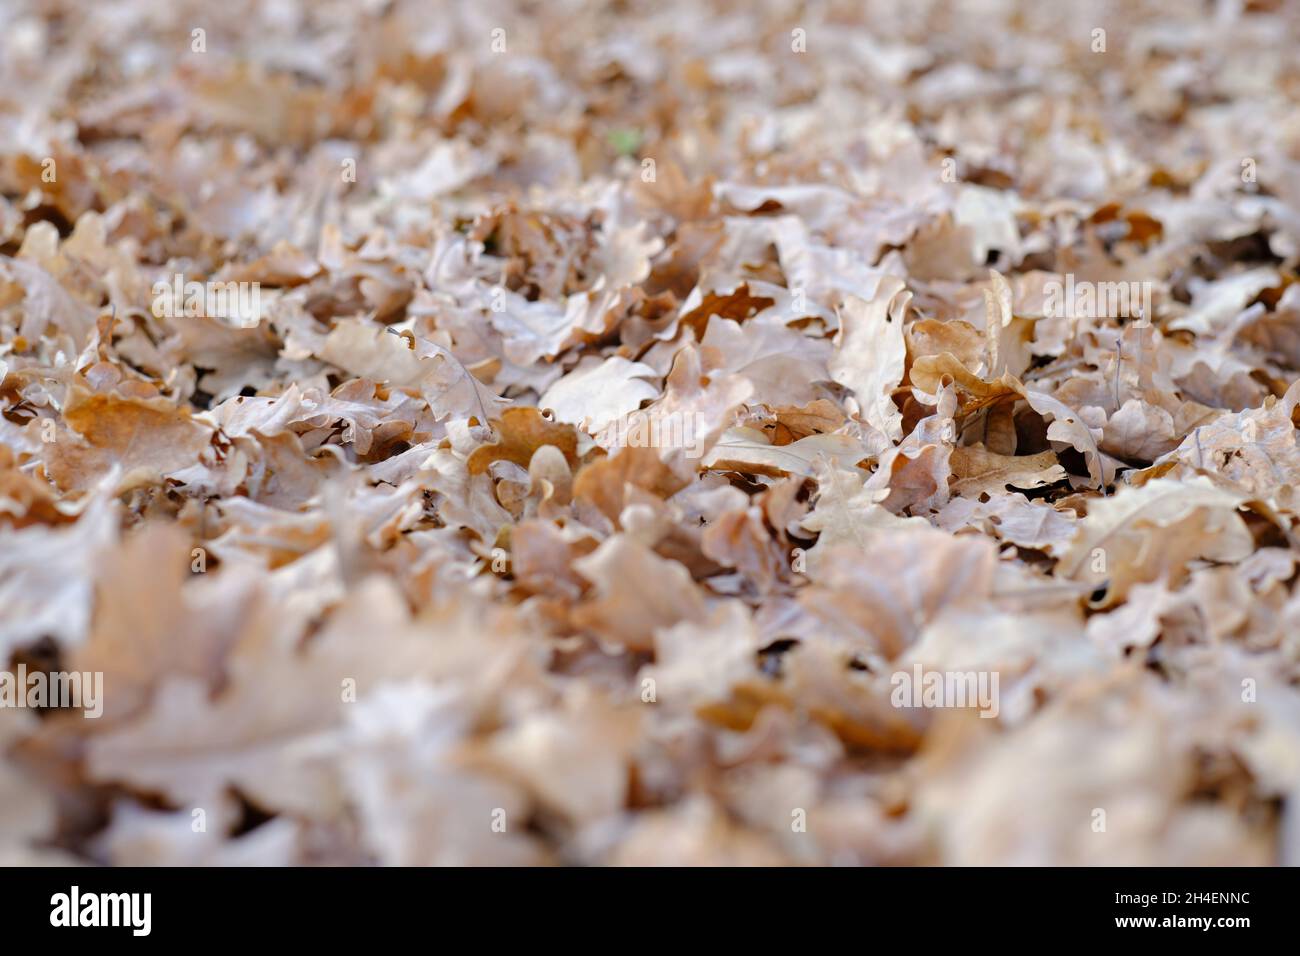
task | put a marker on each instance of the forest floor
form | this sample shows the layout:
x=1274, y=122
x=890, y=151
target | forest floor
x=649, y=432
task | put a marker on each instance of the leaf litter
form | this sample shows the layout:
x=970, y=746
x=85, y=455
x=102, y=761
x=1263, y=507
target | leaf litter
x=516, y=434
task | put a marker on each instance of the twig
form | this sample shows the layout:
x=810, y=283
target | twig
x=1119, y=362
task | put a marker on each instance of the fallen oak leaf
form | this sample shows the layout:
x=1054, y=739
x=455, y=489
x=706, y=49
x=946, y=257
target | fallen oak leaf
x=977, y=471
x=870, y=354
x=521, y=431
x=636, y=593
x=1013, y=518
x=736, y=303
x=1153, y=532
x=148, y=438
x=604, y=483
x=932, y=373
x=747, y=450
x=596, y=392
